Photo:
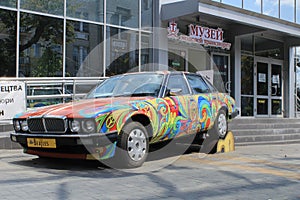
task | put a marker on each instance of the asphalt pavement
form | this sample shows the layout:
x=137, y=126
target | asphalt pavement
x=267, y=172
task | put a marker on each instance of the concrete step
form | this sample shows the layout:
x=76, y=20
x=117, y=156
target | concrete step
x=259, y=132
x=263, y=126
x=265, y=120
x=265, y=138
x=252, y=131
x=268, y=142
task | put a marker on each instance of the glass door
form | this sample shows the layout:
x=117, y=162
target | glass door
x=268, y=87
x=221, y=62
x=276, y=90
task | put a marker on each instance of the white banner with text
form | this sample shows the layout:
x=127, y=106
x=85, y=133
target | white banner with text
x=12, y=99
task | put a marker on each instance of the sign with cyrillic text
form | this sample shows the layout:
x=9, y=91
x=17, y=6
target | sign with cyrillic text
x=12, y=98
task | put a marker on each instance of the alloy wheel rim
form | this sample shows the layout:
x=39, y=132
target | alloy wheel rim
x=136, y=144
x=222, y=125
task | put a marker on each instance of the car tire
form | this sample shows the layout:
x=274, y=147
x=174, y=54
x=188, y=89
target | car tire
x=133, y=145
x=221, y=124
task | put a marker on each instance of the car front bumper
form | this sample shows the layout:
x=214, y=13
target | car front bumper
x=86, y=146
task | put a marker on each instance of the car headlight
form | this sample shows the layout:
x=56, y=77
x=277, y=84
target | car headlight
x=24, y=125
x=17, y=125
x=88, y=126
x=75, y=126
x=82, y=125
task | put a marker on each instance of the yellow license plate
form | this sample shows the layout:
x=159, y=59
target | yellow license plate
x=41, y=142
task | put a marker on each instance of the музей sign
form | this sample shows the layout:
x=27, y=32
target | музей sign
x=200, y=34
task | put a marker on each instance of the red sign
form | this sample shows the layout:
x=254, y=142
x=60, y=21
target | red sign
x=199, y=34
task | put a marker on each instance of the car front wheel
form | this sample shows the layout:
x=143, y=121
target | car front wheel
x=133, y=145
x=221, y=125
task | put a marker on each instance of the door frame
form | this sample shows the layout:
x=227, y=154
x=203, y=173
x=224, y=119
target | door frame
x=269, y=97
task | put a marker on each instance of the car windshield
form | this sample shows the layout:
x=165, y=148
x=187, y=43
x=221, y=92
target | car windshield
x=145, y=84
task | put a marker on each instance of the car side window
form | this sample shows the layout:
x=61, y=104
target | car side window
x=177, y=81
x=197, y=84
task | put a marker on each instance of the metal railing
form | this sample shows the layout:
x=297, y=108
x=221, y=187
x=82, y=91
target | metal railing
x=69, y=88
x=297, y=105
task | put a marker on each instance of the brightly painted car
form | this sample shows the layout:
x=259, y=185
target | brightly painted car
x=125, y=114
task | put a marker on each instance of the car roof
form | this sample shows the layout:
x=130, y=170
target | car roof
x=156, y=72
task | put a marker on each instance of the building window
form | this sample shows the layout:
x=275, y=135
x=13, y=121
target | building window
x=298, y=11
x=40, y=46
x=122, y=51
x=269, y=48
x=251, y=5
x=287, y=10
x=147, y=13
x=236, y=3
x=8, y=3
x=247, y=84
x=147, y=53
x=271, y=8
x=123, y=13
x=55, y=7
x=88, y=9
x=8, y=22
x=84, y=50
x=43, y=24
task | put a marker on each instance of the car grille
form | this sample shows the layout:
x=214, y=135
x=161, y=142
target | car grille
x=47, y=125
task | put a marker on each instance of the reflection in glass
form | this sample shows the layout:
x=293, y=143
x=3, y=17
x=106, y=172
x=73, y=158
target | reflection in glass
x=8, y=24
x=262, y=106
x=8, y=3
x=247, y=75
x=251, y=5
x=236, y=3
x=121, y=51
x=221, y=76
x=84, y=50
x=146, y=53
x=177, y=60
x=271, y=8
x=276, y=80
x=287, y=10
x=262, y=79
x=298, y=11
x=40, y=46
x=123, y=13
x=88, y=9
x=297, y=66
x=55, y=7
x=247, y=106
x=269, y=48
x=247, y=45
x=276, y=107
x=147, y=13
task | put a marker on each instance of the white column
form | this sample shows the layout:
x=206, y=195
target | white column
x=291, y=84
x=237, y=72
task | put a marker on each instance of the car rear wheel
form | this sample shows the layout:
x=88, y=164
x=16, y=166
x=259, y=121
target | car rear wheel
x=221, y=125
x=133, y=145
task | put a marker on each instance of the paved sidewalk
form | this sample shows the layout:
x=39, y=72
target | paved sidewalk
x=269, y=172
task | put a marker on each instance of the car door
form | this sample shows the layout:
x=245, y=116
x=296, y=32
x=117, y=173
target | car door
x=206, y=102
x=178, y=96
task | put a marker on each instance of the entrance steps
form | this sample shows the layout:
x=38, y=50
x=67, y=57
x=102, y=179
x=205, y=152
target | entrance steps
x=255, y=131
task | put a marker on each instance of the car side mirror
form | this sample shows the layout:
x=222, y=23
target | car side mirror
x=175, y=92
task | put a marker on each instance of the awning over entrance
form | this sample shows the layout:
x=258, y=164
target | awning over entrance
x=230, y=16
